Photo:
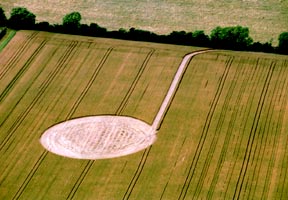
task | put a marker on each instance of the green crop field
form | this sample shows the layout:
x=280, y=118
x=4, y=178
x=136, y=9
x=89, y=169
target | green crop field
x=266, y=19
x=223, y=137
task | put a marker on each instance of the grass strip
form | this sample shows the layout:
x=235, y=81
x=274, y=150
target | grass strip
x=9, y=35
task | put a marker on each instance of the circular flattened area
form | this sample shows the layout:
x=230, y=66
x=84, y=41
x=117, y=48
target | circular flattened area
x=98, y=137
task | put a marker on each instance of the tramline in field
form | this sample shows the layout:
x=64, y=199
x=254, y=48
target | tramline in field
x=109, y=136
x=223, y=135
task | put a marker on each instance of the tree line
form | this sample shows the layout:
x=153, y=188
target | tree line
x=231, y=38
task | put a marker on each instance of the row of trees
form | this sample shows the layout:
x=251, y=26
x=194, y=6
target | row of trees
x=233, y=38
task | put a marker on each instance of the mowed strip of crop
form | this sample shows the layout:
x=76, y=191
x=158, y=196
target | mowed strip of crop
x=48, y=78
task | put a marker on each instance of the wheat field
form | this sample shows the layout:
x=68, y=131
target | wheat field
x=224, y=135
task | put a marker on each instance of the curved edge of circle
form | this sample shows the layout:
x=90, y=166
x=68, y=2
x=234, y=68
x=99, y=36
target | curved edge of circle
x=98, y=137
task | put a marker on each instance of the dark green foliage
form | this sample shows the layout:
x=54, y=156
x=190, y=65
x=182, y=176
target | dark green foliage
x=21, y=18
x=3, y=31
x=179, y=37
x=121, y=33
x=3, y=19
x=200, y=39
x=262, y=47
x=71, y=22
x=140, y=35
x=84, y=29
x=43, y=26
x=97, y=30
x=283, y=43
x=197, y=38
x=236, y=38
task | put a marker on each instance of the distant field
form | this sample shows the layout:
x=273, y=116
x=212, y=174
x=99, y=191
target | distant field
x=266, y=19
x=224, y=136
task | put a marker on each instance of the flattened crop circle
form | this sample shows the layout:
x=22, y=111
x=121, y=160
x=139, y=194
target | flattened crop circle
x=98, y=137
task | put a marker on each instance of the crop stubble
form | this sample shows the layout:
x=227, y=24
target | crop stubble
x=223, y=136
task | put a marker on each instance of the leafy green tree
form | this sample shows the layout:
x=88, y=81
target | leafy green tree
x=200, y=39
x=21, y=18
x=283, y=43
x=236, y=37
x=71, y=22
x=3, y=19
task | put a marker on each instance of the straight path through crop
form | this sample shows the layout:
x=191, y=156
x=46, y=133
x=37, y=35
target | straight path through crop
x=161, y=114
x=173, y=88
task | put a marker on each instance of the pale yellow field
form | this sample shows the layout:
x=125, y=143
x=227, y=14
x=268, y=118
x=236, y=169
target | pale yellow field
x=223, y=137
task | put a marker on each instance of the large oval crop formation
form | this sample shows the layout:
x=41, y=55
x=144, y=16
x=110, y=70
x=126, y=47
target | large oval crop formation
x=98, y=137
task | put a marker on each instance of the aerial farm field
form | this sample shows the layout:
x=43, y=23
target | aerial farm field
x=224, y=135
x=265, y=19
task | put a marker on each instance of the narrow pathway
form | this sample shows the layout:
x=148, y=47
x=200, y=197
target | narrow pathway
x=173, y=88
